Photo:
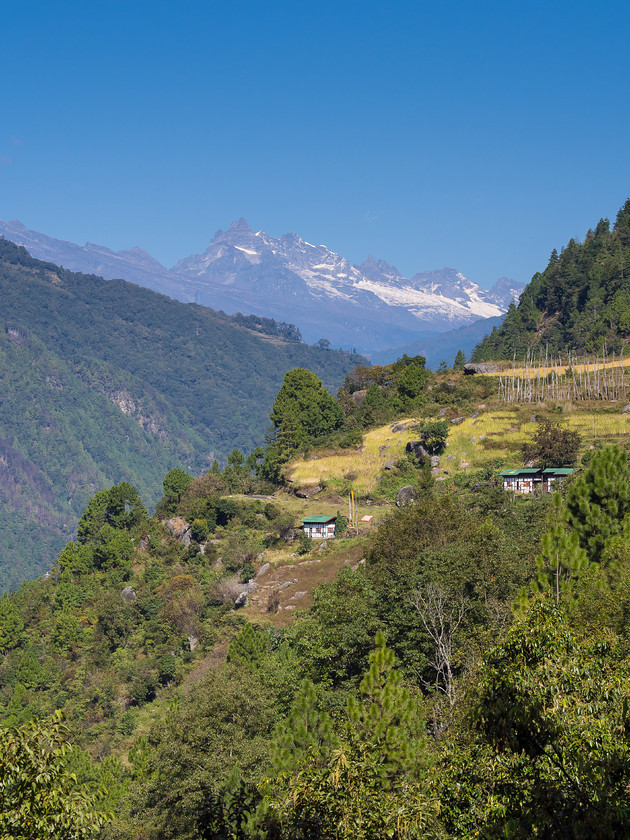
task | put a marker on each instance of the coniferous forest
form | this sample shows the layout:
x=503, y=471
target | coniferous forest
x=579, y=303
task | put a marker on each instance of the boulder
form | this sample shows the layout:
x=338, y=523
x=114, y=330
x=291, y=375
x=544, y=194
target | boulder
x=625, y=409
x=398, y=427
x=263, y=569
x=241, y=600
x=179, y=528
x=307, y=492
x=417, y=448
x=128, y=594
x=358, y=396
x=474, y=415
x=457, y=420
x=442, y=412
x=390, y=465
x=479, y=367
x=435, y=460
x=405, y=496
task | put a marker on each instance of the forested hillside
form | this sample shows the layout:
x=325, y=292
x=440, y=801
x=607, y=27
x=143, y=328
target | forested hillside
x=580, y=302
x=103, y=381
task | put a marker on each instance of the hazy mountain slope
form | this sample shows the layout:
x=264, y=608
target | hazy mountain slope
x=443, y=346
x=369, y=306
x=581, y=301
x=104, y=381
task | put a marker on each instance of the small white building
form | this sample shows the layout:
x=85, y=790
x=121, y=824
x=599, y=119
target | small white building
x=320, y=527
x=531, y=480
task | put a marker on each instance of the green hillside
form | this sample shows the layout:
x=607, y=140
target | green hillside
x=103, y=381
x=580, y=302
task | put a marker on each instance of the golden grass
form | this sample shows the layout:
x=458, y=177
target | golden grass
x=379, y=446
x=475, y=443
x=582, y=367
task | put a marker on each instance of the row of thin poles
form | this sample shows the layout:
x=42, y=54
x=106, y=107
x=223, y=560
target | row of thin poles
x=557, y=377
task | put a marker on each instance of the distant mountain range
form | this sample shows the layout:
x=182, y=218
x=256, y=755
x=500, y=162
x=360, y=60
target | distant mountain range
x=370, y=307
x=103, y=381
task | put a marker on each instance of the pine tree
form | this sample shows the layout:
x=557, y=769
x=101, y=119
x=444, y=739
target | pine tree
x=598, y=501
x=306, y=728
x=460, y=360
x=562, y=560
x=249, y=648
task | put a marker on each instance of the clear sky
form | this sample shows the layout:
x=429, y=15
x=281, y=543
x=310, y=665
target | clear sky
x=477, y=135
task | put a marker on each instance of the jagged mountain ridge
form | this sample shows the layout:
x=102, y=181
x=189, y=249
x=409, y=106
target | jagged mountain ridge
x=368, y=306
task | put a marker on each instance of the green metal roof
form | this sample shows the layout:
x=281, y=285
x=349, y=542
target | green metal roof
x=550, y=471
x=318, y=520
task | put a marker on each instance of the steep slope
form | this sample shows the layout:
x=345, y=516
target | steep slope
x=580, y=302
x=104, y=381
x=369, y=306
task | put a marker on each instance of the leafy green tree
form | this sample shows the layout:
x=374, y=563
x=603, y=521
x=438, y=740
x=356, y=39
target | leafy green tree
x=554, y=753
x=552, y=446
x=433, y=434
x=39, y=796
x=598, y=501
x=175, y=484
x=11, y=624
x=460, y=360
x=302, y=412
x=216, y=739
x=119, y=507
x=411, y=384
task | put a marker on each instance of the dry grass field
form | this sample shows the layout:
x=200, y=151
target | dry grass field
x=355, y=468
x=494, y=438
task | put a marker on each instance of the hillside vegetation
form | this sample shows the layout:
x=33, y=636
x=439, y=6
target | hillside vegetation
x=104, y=381
x=579, y=303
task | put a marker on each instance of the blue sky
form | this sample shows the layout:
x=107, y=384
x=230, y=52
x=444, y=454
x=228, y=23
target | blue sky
x=478, y=135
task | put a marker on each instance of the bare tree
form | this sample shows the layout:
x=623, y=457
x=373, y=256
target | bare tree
x=441, y=614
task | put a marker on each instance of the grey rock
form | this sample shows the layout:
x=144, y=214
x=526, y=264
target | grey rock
x=389, y=465
x=143, y=544
x=307, y=492
x=625, y=409
x=399, y=427
x=241, y=600
x=457, y=420
x=285, y=585
x=298, y=595
x=417, y=448
x=472, y=368
x=193, y=641
x=463, y=465
x=435, y=460
x=442, y=412
x=450, y=457
x=128, y=594
x=405, y=496
x=263, y=569
x=179, y=528
x=474, y=415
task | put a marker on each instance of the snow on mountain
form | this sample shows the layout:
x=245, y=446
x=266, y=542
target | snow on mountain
x=368, y=306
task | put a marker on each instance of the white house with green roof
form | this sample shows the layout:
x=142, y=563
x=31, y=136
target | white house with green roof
x=320, y=527
x=533, y=480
